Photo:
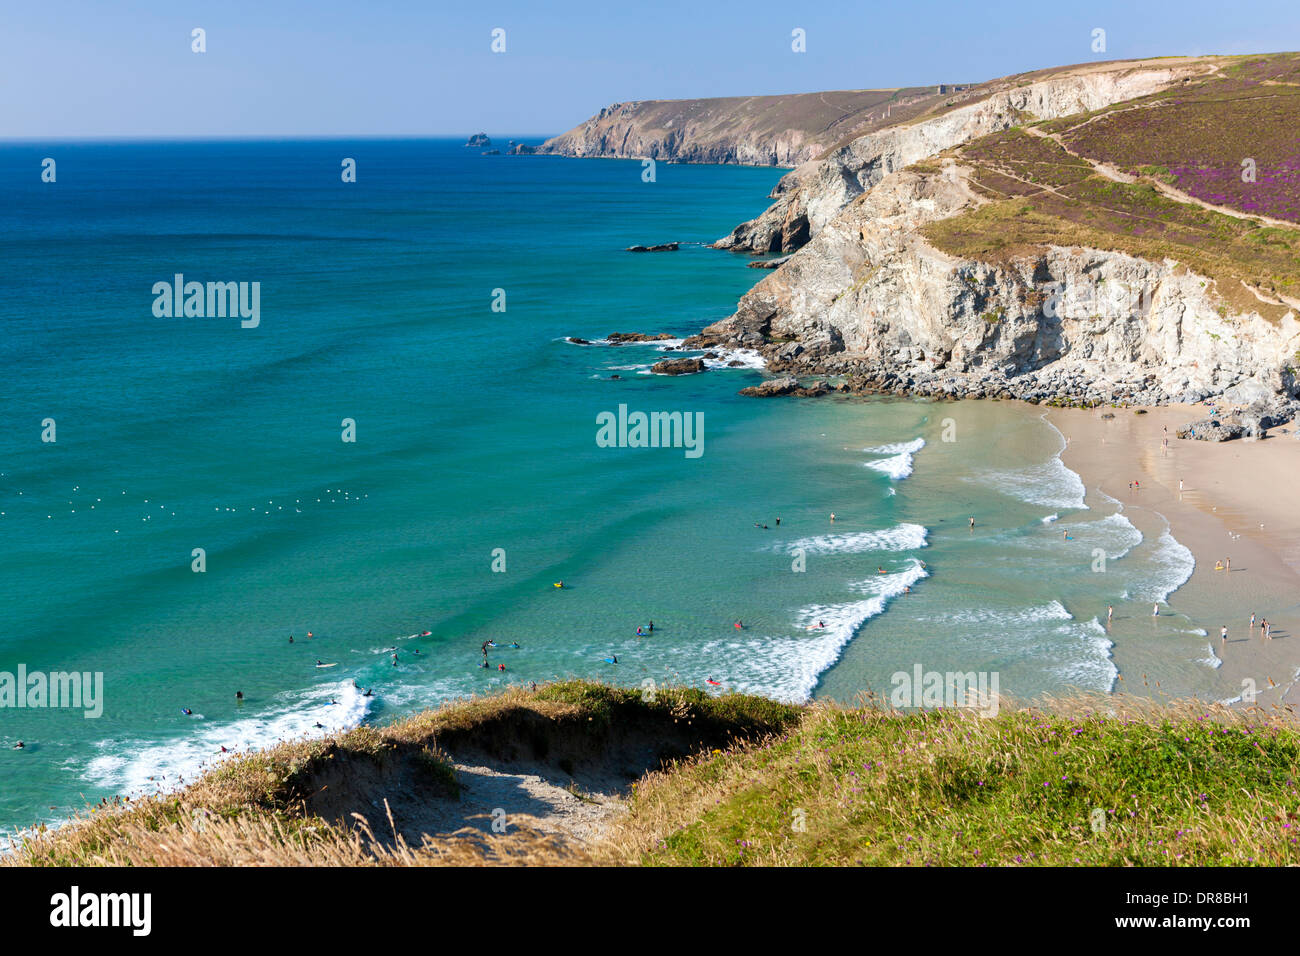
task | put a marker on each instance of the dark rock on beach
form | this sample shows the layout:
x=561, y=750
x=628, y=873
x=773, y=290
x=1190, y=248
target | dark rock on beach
x=686, y=366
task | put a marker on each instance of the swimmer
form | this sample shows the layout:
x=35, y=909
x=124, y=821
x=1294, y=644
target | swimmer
x=239, y=695
x=515, y=645
x=187, y=712
x=19, y=746
x=368, y=693
x=651, y=627
x=290, y=638
x=879, y=569
x=972, y=521
x=738, y=626
x=501, y=667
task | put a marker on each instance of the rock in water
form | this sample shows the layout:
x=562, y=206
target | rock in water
x=478, y=140
x=662, y=247
x=686, y=366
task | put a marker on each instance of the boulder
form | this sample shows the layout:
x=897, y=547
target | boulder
x=772, y=387
x=625, y=338
x=686, y=366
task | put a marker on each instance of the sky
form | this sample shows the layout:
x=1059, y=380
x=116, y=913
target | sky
x=290, y=68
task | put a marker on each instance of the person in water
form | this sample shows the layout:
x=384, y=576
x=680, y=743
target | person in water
x=501, y=667
x=515, y=645
x=639, y=632
x=239, y=695
x=19, y=746
x=652, y=626
x=739, y=626
x=613, y=658
x=187, y=712
x=290, y=638
x=778, y=521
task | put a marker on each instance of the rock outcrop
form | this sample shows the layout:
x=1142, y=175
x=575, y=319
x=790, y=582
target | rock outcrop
x=749, y=130
x=808, y=197
x=685, y=366
x=871, y=299
x=479, y=140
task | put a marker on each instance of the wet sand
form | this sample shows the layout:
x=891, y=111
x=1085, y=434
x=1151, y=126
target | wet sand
x=1238, y=501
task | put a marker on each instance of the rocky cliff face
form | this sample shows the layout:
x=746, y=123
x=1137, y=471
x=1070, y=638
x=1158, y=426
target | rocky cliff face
x=868, y=297
x=752, y=130
x=811, y=195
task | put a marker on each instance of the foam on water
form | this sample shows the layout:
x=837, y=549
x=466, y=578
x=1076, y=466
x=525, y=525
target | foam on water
x=899, y=463
x=901, y=537
x=1213, y=660
x=1049, y=484
x=166, y=765
x=1170, y=566
x=788, y=667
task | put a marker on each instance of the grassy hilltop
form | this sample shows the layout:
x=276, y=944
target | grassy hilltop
x=739, y=780
x=1206, y=173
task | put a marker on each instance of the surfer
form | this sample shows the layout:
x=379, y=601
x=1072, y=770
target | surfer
x=290, y=638
x=558, y=584
x=778, y=521
x=710, y=680
x=639, y=632
x=239, y=695
x=739, y=626
x=368, y=693
x=19, y=746
x=972, y=521
x=187, y=712
x=651, y=628
x=501, y=667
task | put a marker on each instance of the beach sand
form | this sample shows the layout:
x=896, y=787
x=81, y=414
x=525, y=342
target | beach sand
x=1238, y=501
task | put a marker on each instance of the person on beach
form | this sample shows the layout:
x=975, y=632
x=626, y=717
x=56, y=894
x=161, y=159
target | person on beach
x=1227, y=564
x=1180, y=486
x=972, y=522
x=1223, y=635
x=1110, y=612
x=1155, y=610
x=1252, y=620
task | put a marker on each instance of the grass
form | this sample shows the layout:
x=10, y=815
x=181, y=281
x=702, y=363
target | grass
x=1040, y=196
x=866, y=786
x=1089, y=781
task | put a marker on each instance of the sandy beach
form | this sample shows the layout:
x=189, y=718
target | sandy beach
x=1232, y=501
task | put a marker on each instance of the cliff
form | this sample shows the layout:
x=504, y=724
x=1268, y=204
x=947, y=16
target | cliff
x=751, y=130
x=588, y=774
x=1003, y=249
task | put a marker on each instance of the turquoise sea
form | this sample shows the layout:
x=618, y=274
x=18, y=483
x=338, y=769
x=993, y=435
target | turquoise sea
x=475, y=481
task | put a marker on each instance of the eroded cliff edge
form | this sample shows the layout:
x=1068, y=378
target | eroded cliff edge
x=1005, y=249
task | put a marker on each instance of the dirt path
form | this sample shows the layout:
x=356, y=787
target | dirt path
x=1169, y=192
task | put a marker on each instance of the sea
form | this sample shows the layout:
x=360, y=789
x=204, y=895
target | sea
x=398, y=454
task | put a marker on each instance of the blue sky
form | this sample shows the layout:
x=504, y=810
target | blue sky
x=124, y=68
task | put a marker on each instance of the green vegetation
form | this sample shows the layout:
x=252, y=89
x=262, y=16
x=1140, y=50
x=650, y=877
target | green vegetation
x=742, y=780
x=1028, y=787
x=1073, y=206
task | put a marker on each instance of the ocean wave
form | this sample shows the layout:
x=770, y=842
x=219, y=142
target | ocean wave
x=166, y=765
x=1170, y=566
x=1213, y=660
x=902, y=537
x=899, y=463
x=1049, y=484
